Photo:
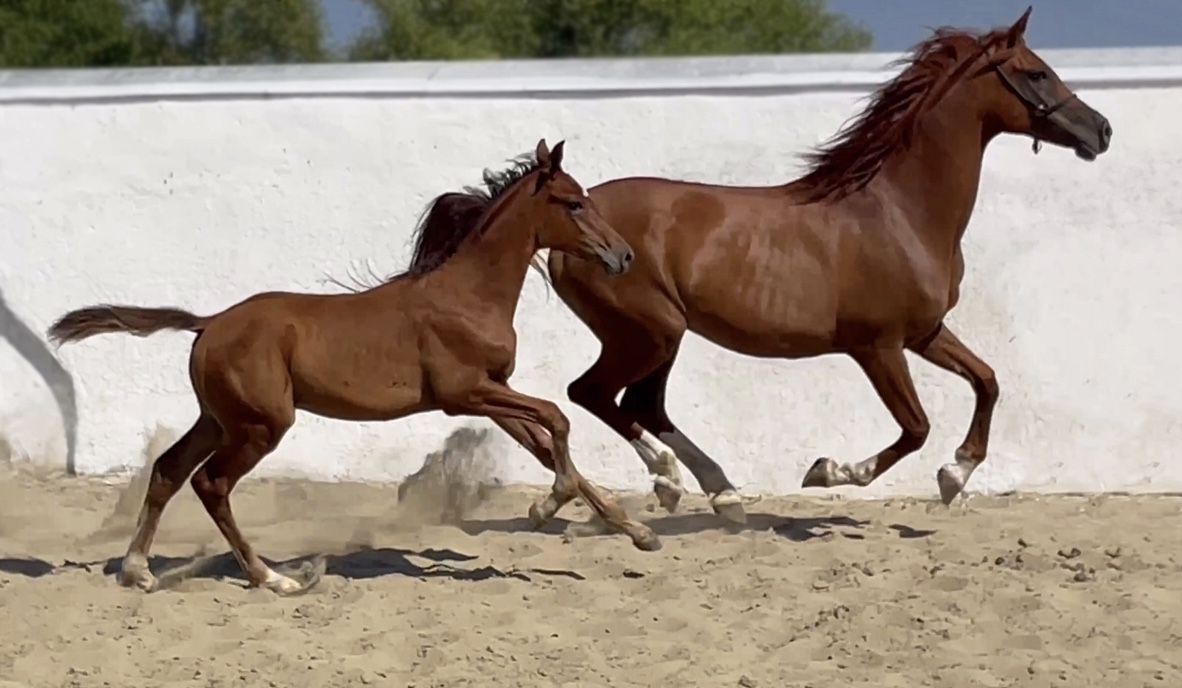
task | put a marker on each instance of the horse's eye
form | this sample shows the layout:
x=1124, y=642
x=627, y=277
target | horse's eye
x=1038, y=76
x=574, y=206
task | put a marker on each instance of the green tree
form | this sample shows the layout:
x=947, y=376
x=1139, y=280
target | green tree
x=219, y=32
x=489, y=29
x=66, y=33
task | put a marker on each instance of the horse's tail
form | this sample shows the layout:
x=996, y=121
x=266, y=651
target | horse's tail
x=141, y=322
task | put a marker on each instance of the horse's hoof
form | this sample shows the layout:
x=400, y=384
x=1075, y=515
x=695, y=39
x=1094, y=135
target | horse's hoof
x=668, y=496
x=729, y=507
x=820, y=473
x=951, y=482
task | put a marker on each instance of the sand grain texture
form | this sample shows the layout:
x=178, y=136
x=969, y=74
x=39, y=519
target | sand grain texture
x=1009, y=591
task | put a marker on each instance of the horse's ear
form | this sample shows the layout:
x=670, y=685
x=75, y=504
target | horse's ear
x=1018, y=30
x=556, y=156
x=542, y=154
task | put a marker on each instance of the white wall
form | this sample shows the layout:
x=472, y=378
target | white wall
x=197, y=188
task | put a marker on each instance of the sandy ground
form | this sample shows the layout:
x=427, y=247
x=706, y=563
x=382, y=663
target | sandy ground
x=1008, y=591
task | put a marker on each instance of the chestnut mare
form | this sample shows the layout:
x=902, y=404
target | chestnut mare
x=437, y=337
x=861, y=256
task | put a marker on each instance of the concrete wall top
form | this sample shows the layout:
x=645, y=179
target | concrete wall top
x=741, y=75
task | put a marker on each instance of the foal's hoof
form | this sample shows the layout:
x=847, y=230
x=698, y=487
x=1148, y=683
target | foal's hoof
x=729, y=507
x=300, y=581
x=137, y=578
x=820, y=474
x=645, y=540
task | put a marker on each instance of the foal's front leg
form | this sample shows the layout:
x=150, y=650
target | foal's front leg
x=535, y=440
x=888, y=372
x=500, y=402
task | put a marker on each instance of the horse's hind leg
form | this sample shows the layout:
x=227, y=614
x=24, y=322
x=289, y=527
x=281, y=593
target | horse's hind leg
x=619, y=364
x=946, y=351
x=169, y=473
x=644, y=403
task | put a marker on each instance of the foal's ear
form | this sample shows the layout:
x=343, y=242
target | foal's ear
x=542, y=154
x=1018, y=30
x=556, y=156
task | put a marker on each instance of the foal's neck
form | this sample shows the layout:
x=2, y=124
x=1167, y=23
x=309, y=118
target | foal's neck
x=492, y=264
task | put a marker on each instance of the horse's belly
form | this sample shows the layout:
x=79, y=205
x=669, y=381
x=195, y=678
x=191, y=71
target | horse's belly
x=766, y=328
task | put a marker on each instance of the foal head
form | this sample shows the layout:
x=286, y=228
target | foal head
x=1027, y=97
x=566, y=217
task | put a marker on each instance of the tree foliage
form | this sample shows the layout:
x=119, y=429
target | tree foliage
x=110, y=33
x=65, y=33
x=486, y=29
x=213, y=32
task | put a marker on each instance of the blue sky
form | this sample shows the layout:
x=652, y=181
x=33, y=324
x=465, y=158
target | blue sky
x=897, y=24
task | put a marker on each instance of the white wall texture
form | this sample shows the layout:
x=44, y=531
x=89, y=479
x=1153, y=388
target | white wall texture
x=197, y=188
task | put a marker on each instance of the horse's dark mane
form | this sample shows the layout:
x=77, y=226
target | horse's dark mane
x=852, y=157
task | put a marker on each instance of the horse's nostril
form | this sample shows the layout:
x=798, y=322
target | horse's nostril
x=628, y=257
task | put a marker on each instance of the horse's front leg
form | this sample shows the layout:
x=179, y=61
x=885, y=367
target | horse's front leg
x=891, y=378
x=946, y=351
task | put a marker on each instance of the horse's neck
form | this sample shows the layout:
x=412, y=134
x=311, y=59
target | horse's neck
x=940, y=173
x=493, y=264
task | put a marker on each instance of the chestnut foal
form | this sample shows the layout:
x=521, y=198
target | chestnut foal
x=438, y=337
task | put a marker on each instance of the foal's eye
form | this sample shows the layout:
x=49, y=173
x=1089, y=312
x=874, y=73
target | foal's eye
x=1038, y=76
x=574, y=206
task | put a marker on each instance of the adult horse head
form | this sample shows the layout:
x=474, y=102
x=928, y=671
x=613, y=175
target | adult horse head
x=860, y=256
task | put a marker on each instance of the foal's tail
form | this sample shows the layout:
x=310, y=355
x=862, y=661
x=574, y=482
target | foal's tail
x=141, y=322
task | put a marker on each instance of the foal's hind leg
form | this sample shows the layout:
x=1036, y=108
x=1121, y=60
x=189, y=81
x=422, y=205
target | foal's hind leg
x=169, y=473
x=644, y=402
x=247, y=442
x=888, y=372
x=946, y=351
x=252, y=401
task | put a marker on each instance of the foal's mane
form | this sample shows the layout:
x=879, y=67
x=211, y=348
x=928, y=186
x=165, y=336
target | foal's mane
x=450, y=218
x=852, y=157
x=456, y=215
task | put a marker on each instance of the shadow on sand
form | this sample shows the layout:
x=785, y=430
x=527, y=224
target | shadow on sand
x=793, y=529
x=362, y=564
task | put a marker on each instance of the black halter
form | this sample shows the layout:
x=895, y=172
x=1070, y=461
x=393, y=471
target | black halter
x=1040, y=108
